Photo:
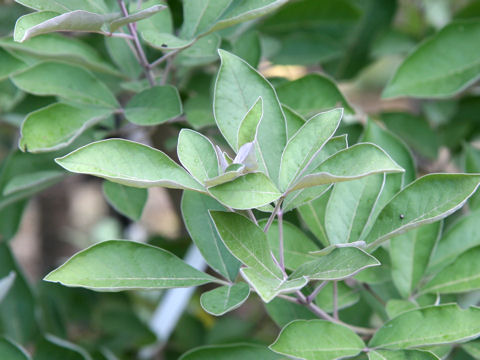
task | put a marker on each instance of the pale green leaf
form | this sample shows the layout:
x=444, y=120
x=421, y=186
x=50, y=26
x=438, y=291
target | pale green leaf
x=48, y=78
x=307, y=142
x=472, y=165
x=355, y=162
x=246, y=192
x=350, y=207
x=160, y=22
x=9, y=64
x=44, y=22
x=231, y=173
x=346, y=296
x=53, y=348
x=248, y=243
x=134, y=17
x=197, y=154
x=249, y=124
x=396, y=307
x=126, y=265
x=313, y=214
x=57, y=126
x=31, y=180
x=128, y=163
x=230, y=351
x=238, y=87
x=435, y=69
x=294, y=120
x=283, y=311
x=200, y=226
x=165, y=41
x=340, y=263
x=472, y=348
x=202, y=52
x=63, y=6
x=410, y=254
x=312, y=94
x=432, y=325
x=296, y=245
x=225, y=298
x=317, y=340
x=401, y=355
x=463, y=275
x=11, y=351
x=200, y=15
x=426, y=200
x=154, y=106
x=126, y=200
x=460, y=237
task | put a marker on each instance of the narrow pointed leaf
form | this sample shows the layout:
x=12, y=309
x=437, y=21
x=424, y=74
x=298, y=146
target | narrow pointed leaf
x=238, y=87
x=246, y=192
x=350, y=207
x=165, y=41
x=11, y=351
x=317, y=340
x=306, y=143
x=126, y=265
x=357, y=161
x=432, y=325
x=249, y=124
x=154, y=106
x=48, y=78
x=231, y=173
x=449, y=73
x=134, y=17
x=225, y=298
x=200, y=226
x=339, y=264
x=57, y=126
x=410, y=254
x=294, y=120
x=128, y=163
x=197, y=155
x=231, y=352
x=126, y=200
x=200, y=16
x=426, y=200
x=401, y=355
x=313, y=214
x=463, y=275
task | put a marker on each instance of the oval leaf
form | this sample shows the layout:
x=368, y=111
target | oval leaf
x=401, y=355
x=230, y=352
x=126, y=200
x=225, y=298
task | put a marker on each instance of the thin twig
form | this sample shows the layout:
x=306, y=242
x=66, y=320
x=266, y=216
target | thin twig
x=138, y=47
x=166, y=71
x=119, y=35
x=272, y=217
x=281, y=254
x=163, y=58
x=252, y=216
x=316, y=291
x=335, y=299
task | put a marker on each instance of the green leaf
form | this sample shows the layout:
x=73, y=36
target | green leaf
x=57, y=126
x=195, y=211
x=401, y=355
x=11, y=351
x=294, y=120
x=63, y=6
x=340, y=263
x=225, y=298
x=197, y=154
x=238, y=80
x=54, y=348
x=230, y=351
x=10, y=219
x=48, y=78
x=460, y=237
x=472, y=165
x=128, y=163
x=472, y=348
x=355, y=162
x=134, y=17
x=9, y=64
x=410, y=254
x=44, y=22
x=313, y=214
x=122, y=56
x=154, y=106
x=283, y=311
x=317, y=340
x=348, y=214
x=431, y=325
x=463, y=275
x=126, y=200
x=126, y=265
x=434, y=68
x=160, y=22
x=165, y=41
x=248, y=243
x=246, y=192
x=305, y=144
x=296, y=245
x=202, y=52
x=396, y=307
x=31, y=180
x=346, y=297
x=69, y=49
x=312, y=94
x=249, y=124
x=426, y=200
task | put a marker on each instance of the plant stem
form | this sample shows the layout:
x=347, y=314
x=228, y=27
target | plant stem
x=166, y=71
x=272, y=217
x=335, y=299
x=316, y=291
x=163, y=58
x=252, y=216
x=281, y=255
x=138, y=47
x=119, y=35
